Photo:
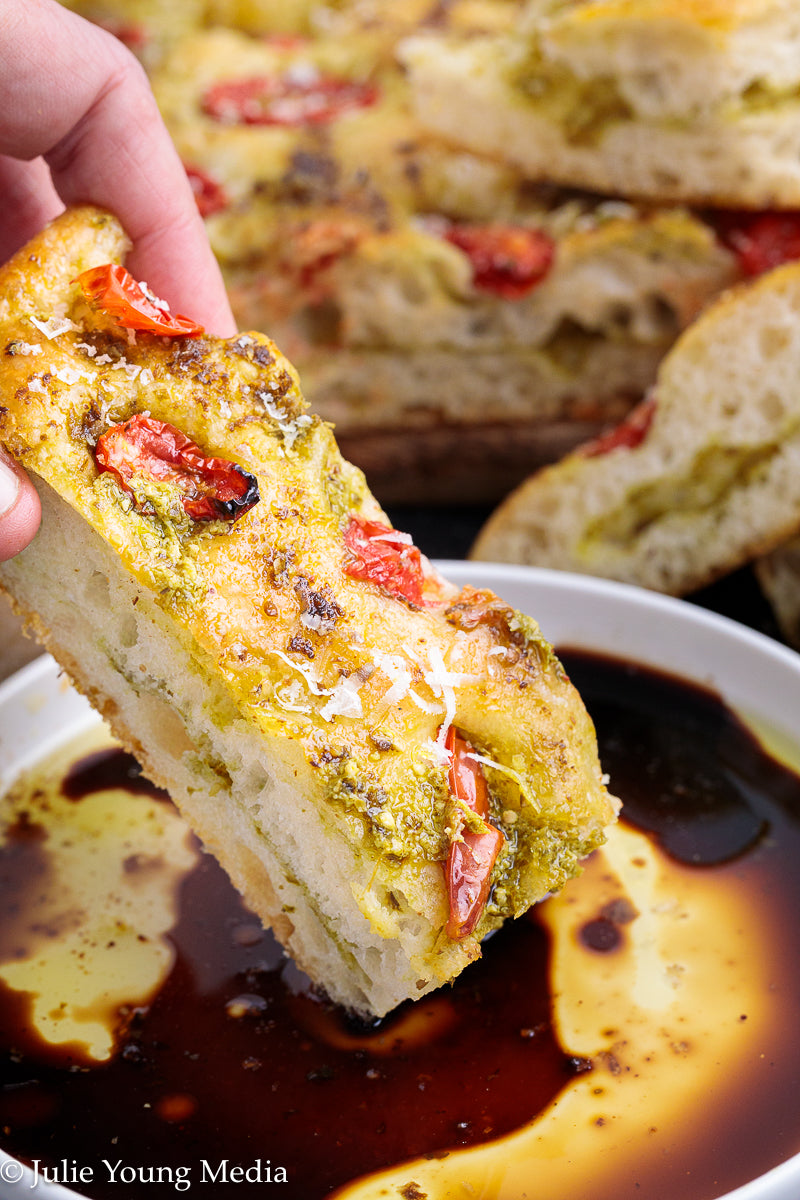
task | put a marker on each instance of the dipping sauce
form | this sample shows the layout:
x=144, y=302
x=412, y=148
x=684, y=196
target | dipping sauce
x=198, y=1055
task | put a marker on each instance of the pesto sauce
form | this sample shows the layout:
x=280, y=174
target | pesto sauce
x=702, y=484
x=411, y=827
x=583, y=109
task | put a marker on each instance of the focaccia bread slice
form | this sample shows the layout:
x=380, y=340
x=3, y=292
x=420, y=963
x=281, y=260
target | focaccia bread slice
x=700, y=479
x=420, y=289
x=692, y=100
x=301, y=681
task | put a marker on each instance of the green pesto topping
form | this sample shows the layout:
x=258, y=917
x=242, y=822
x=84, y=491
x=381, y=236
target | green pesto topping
x=761, y=96
x=345, y=487
x=703, y=484
x=158, y=543
x=583, y=109
x=410, y=826
x=535, y=641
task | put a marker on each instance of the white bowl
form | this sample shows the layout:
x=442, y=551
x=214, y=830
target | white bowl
x=757, y=677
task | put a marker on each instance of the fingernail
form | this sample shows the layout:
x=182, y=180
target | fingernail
x=9, y=486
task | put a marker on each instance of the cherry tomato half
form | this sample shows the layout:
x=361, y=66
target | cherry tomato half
x=286, y=99
x=629, y=433
x=116, y=293
x=210, y=196
x=212, y=489
x=507, y=260
x=470, y=861
x=760, y=241
x=381, y=555
x=135, y=37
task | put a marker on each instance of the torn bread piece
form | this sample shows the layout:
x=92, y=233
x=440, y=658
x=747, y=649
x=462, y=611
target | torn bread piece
x=691, y=100
x=702, y=477
x=385, y=766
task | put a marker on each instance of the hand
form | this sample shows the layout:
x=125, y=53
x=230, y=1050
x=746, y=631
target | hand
x=79, y=125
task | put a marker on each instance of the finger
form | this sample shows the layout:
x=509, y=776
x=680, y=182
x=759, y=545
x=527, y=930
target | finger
x=99, y=130
x=170, y=246
x=20, y=512
x=29, y=202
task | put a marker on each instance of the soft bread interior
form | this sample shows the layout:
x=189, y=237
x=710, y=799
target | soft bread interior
x=145, y=674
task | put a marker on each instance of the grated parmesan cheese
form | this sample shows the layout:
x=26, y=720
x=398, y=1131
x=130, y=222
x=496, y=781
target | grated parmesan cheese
x=512, y=775
x=70, y=375
x=306, y=672
x=434, y=710
x=290, y=430
x=131, y=369
x=27, y=348
x=344, y=700
x=316, y=622
x=395, y=669
x=153, y=298
x=437, y=752
x=393, y=535
x=288, y=696
x=53, y=327
x=443, y=684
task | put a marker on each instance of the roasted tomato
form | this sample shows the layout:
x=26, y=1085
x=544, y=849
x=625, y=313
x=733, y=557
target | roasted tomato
x=318, y=245
x=115, y=292
x=472, y=855
x=381, y=555
x=135, y=37
x=507, y=260
x=760, y=241
x=209, y=195
x=290, y=100
x=213, y=489
x=629, y=433
x=284, y=41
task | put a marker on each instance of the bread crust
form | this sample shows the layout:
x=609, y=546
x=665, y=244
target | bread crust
x=251, y=671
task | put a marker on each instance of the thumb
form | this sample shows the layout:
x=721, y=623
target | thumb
x=19, y=509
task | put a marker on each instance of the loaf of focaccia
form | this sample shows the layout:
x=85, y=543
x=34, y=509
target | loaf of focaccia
x=441, y=310
x=385, y=766
x=693, y=100
x=703, y=477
